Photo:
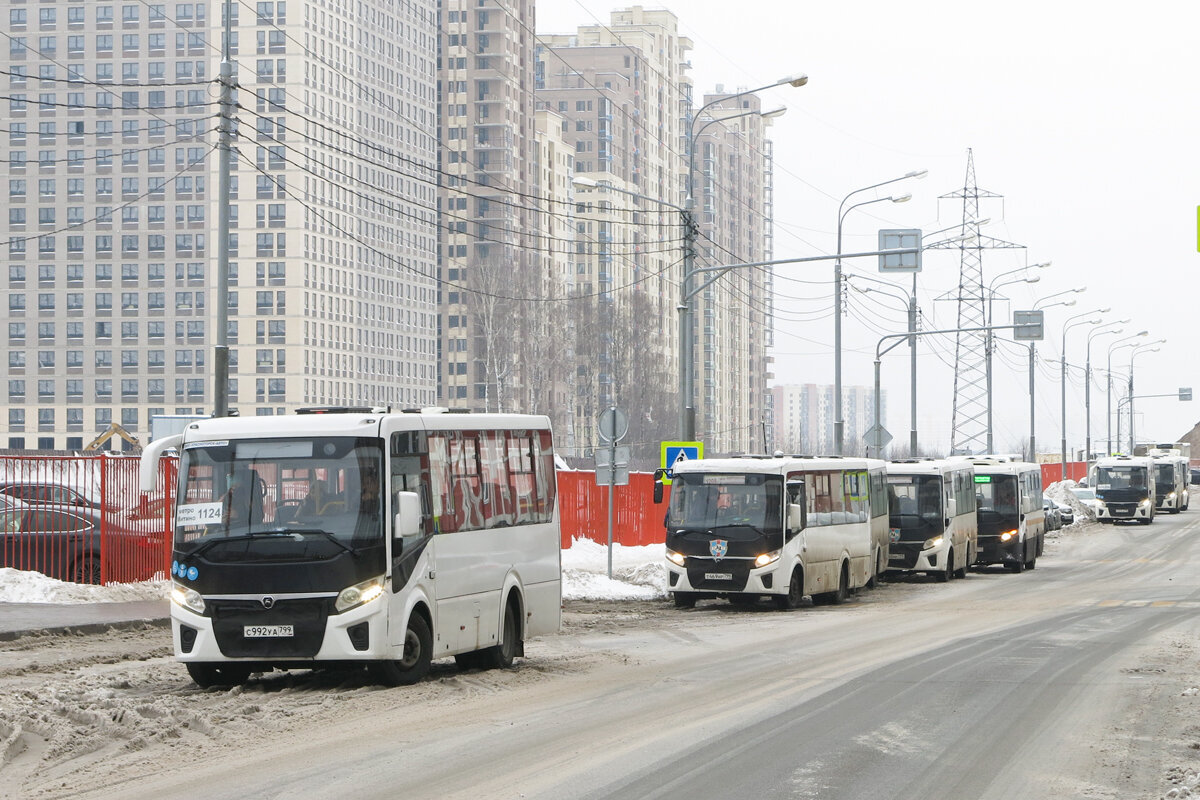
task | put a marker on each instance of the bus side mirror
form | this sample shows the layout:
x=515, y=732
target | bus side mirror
x=795, y=518
x=658, y=485
x=408, y=515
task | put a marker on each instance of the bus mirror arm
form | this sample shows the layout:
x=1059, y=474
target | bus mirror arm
x=658, y=485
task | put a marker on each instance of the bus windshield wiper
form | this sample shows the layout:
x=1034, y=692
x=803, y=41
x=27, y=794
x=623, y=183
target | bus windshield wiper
x=749, y=525
x=295, y=533
x=319, y=532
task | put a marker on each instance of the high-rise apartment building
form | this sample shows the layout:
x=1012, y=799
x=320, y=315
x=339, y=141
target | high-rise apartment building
x=623, y=93
x=489, y=246
x=111, y=230
x=733, y=191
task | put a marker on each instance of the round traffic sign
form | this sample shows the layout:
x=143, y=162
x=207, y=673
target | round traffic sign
x=613, y=425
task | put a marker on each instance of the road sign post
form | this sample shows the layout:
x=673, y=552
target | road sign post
x=613, y=466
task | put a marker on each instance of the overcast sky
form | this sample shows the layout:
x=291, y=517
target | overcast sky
x=1085, y=119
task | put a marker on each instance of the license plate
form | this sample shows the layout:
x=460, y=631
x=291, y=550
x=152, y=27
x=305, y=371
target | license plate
x=718, y=576
x=266, y=631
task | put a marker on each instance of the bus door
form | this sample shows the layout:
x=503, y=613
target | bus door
x=408, y=471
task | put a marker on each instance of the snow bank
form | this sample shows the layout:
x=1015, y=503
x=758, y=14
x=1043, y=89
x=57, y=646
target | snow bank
x=18, y=586
x=638, y=574
x=1060, y=492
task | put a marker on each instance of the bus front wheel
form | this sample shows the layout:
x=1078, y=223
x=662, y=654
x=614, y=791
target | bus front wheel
x=795, y=594
x=206, y=675
x=684, y=599
x=413, y=664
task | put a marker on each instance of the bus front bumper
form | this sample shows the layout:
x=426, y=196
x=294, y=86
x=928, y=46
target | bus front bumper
x=709, y=577
x=292, y=636
x=1130, y=510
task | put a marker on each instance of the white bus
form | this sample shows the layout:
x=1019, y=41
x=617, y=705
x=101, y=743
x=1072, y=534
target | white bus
x=781, y=527
x=1012, y=519
x=355, y=535
x=1125, y=488
x=934, y=527
x=1171, y=473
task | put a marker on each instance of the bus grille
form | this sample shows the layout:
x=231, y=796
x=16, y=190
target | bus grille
x=701, y=570
x=307, y=618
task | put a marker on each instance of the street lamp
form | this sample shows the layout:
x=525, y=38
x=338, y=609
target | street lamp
x=1087, y=387
x=1039, y=305
x=687, y=376
x=989, y=340
x=1063, y=360
x=1128, y=341
x=838, y=423
x=1149, y=347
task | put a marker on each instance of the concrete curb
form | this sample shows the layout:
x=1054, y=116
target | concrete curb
x=86, y=629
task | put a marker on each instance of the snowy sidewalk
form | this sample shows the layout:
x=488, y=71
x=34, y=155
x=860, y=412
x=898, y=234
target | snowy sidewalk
x=19, y=619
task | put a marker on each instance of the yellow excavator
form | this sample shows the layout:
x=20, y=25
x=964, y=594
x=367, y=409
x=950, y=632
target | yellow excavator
x=114, y=430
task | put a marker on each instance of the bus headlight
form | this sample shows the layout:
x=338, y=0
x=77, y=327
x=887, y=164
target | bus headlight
x=678, y=559
x=188, y=598
x=1008, y=536
x=360, y=593
x=766, y=558
x=1171, y=496
x=1145, y=503
x=931, y=543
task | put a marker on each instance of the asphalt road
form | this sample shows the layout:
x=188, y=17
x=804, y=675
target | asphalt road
x=1077, y=679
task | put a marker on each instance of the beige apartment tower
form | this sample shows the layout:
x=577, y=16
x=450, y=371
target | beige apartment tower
x=110, y=238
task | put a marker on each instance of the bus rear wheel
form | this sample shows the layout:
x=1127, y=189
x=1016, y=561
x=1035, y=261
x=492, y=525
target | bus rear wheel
x=836, y=598
x=206, y=675
x=413, y=664
x=501, y=656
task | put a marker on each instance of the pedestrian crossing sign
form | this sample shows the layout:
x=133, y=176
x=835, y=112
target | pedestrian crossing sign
x=674, y=452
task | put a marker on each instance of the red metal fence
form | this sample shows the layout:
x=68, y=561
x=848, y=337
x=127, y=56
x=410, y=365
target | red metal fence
x=1053, y=473
x=83, y=518
x=583, y=509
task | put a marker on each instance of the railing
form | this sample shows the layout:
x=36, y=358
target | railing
x=82, y=518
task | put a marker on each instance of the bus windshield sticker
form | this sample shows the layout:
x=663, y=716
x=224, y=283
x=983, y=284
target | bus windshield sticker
x=258, y=451
x=724, y=480
x=199, y=513
x=905, y=480
x=194, y=445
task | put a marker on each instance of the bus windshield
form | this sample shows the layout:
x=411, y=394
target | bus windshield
x=1121, y=477
x=997, y=494
x=279, y=499
x=1165, y=476
x=709, y=500
x=919, y=495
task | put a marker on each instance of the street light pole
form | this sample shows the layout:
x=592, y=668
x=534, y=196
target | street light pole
x=989, y=337
x=1063, y=357
x=900, y=337
x=838, y=422
x=1117, y=345
x=1149, y=347
x=1038, y=306
x=687, y=406
x=1087, y=390
x=224, y=154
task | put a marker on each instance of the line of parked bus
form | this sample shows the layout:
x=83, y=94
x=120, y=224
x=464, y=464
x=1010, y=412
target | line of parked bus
x=361, y=536
x=788, y=526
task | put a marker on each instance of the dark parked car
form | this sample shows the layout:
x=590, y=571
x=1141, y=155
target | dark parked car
x=1195, y=477
x=56, y=543
x=1053, y=516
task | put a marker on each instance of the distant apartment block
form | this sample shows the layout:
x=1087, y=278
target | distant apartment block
x=803, y=416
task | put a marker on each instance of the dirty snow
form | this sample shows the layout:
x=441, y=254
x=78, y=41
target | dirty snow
x=1060, y=492
x=638, y=574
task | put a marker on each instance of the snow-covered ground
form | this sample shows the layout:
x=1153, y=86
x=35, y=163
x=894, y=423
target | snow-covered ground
x=638, y=574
